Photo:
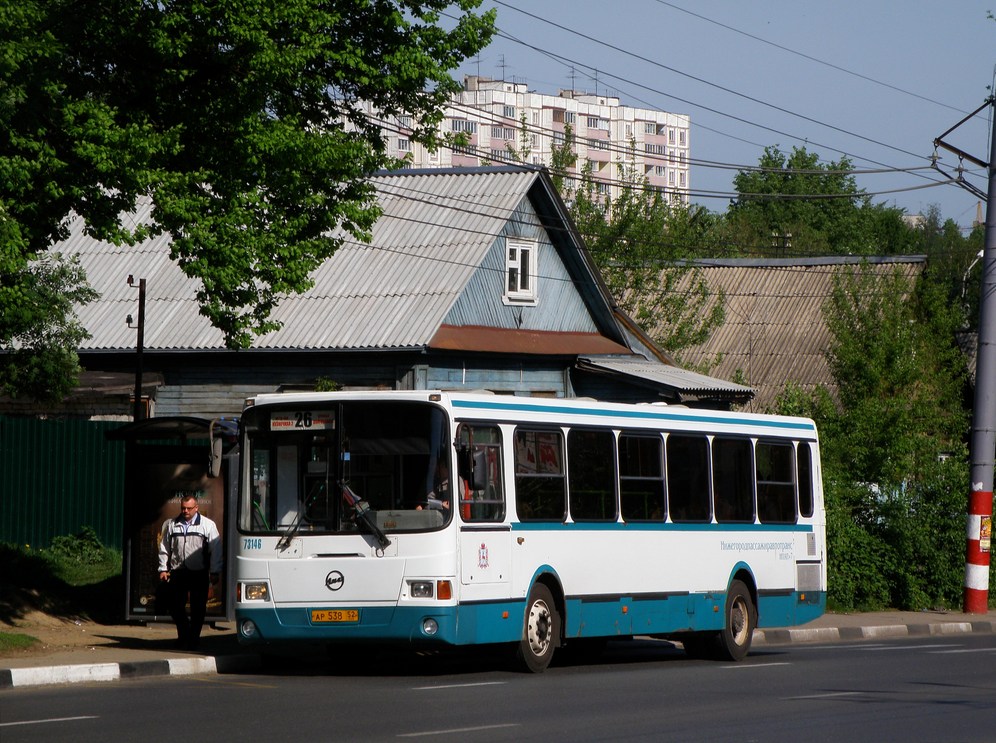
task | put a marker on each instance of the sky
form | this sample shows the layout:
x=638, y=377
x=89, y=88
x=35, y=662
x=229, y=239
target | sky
x=875, y=81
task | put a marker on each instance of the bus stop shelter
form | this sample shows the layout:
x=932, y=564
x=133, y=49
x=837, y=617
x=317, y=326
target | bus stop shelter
x=167, y=459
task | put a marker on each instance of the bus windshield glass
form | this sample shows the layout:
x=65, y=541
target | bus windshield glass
x=348, y=467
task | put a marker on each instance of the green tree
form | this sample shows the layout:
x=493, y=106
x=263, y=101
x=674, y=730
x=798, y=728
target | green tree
x=641, y=242
x=241, y=122
x=563, y=161
x=523, y=152
x=894, y=457
x=954, y=262
x=900, y=375
x=39, y=323
x=793, y=203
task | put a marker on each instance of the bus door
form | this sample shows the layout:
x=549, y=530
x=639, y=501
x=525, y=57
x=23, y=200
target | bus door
x=485, y=537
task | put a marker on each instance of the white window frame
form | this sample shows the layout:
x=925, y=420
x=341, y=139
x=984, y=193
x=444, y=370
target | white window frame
x=520, y=286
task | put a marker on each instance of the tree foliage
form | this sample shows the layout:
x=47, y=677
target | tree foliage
x=39, y=323
x=792, y=203
x=894, y=455
x=641, y=242
x=240, y=121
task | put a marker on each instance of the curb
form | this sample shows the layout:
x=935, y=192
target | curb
x=836, y=634
x=207, y=665
x=71, y=674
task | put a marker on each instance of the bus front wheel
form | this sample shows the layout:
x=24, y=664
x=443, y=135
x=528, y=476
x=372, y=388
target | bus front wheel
x=541, y=630
x=741, y=618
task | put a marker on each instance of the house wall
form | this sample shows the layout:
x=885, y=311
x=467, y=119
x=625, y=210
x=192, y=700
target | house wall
x=212, y=385
x=508, y=377
x=559, y=306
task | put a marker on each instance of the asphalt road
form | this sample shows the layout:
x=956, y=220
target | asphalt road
x=916, y=689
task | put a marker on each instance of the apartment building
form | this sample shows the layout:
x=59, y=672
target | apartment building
x=504, y=122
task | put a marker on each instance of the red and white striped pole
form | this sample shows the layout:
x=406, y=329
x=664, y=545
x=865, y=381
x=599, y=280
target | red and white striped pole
x=980, y=531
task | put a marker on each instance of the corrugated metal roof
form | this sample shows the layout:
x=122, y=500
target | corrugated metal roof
x=774, y=332
x=394, y=292
x=682, y=380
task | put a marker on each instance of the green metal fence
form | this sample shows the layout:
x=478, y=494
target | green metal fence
x=57, y=476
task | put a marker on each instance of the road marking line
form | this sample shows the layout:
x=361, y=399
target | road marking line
x=911, y=647
x=460, y=686
x=453, y=731
x=51, y=719
x=758, y=665
x=828, y=695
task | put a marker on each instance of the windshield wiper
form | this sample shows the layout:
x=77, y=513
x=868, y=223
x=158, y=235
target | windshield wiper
x=364, y=514
x=285, y=540
x=292, y=530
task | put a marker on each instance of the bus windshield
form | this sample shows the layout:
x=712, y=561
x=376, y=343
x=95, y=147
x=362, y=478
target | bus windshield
x=345, y=467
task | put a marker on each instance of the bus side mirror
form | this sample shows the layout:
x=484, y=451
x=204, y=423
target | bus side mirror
x=465, y=462
x=214, y=458
x=472, y=467
x=214, y=452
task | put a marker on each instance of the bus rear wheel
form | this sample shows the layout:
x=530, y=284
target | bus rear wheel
x=738, y=628
x=540, y=632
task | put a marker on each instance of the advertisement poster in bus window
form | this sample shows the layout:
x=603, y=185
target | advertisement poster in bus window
x=537, y=453
x=161, y=486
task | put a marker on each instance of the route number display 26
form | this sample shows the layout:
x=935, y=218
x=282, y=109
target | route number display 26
x=302, y=420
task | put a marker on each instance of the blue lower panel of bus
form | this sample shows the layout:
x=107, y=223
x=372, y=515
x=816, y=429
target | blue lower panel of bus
x=501, y=621
x=664, y=614
x=467, y=624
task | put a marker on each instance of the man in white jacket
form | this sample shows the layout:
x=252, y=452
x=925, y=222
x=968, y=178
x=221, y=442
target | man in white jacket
x=189, y=557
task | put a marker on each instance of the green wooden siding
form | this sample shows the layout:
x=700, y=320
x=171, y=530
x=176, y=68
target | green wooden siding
x=57, y=476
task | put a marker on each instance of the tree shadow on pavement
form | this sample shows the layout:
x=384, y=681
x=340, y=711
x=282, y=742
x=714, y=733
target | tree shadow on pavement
x=28, y=584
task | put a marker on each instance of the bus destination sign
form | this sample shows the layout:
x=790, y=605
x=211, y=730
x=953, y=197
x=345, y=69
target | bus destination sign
x=302, y=420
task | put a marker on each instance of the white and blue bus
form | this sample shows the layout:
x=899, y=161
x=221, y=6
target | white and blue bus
x=455, y=519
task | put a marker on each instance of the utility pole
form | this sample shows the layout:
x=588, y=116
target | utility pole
x=140, y=346
x=983, y=440
x=983, y=443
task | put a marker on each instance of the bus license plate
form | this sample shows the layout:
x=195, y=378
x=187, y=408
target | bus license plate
x=334, y=615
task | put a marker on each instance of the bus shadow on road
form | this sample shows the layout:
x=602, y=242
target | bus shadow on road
x=388, y=661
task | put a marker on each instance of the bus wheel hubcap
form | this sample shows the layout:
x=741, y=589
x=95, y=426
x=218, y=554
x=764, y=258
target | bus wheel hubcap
x=738, y=622
x=538, y=632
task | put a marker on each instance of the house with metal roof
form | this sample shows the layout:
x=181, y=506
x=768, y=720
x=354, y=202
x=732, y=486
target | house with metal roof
x=774, y=331
x=474, y=279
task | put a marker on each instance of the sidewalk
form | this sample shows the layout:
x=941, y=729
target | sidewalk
x=73, y=652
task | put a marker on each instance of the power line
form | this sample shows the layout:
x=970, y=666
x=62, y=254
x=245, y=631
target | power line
x=491, y=156
x=498, y=120
x=704, y=81
x=810, y=58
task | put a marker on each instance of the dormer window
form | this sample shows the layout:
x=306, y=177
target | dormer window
x=520, y=272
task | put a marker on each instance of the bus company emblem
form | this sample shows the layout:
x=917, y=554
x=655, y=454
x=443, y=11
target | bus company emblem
x=334, y=580
x=482, y=556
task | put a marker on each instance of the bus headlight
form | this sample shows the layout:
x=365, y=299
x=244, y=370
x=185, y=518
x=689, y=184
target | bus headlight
x=248, y=628
x=420, y=589
x=430, y=626
x=256, y=591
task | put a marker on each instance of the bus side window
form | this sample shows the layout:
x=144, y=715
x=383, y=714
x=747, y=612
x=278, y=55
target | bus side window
x=641, y=478
x=540, y=485
x=775, y=483
x=591, y=474
x=804, y=474
x=732, y=480
x=688, y=477
x=481, y=492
